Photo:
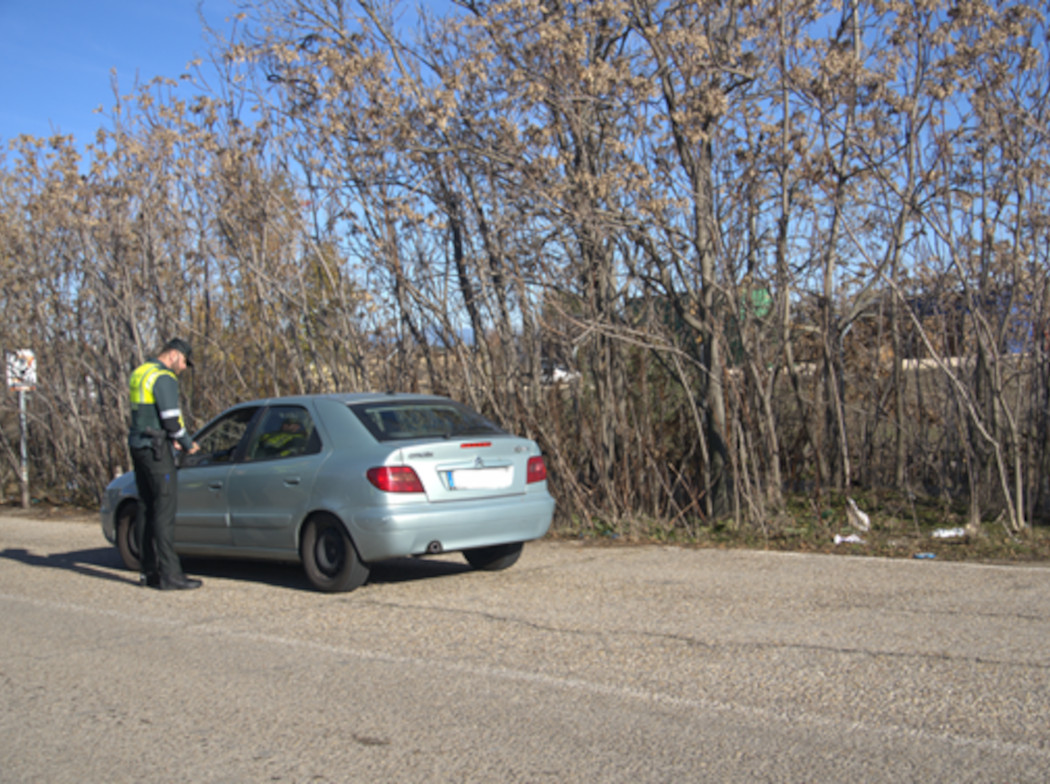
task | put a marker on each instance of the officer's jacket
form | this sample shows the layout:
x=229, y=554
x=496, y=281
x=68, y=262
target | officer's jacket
x=154, y=393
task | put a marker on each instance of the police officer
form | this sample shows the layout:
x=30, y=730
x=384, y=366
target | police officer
x=157, y=428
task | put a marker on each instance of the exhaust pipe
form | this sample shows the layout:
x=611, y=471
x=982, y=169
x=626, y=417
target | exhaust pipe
x=434, y=548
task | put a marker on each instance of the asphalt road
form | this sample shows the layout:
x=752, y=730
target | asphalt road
x=589, y=664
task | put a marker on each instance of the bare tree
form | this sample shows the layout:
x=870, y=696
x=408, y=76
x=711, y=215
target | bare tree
x=706, y=253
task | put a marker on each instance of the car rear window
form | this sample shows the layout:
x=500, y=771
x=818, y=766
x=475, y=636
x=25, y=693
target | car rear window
x=400, y=420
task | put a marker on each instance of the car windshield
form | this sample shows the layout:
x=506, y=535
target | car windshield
x=401, y=420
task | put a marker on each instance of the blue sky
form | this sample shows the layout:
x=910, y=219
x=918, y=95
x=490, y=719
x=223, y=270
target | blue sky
x=56, y=56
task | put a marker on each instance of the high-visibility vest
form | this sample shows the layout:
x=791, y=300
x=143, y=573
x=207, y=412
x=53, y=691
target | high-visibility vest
x=144, y=412
x=142, y=380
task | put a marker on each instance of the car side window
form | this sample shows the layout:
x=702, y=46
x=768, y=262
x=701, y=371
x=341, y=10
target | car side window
x=285, y=431
x=219, y=440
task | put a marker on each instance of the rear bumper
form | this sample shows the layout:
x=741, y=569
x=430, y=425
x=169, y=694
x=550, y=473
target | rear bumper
x=393, y=532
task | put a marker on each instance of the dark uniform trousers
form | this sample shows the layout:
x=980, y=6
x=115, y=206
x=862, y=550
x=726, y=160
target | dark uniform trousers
x=156, y=480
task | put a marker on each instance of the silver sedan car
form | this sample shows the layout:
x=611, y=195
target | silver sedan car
x=338, y=482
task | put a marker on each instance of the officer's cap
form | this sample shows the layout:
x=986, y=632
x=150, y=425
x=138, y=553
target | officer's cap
x=181, y=346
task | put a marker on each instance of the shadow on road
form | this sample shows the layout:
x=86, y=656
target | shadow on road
x=289, y=575
x=403, y=570
x=94, y=561
x=86, y=562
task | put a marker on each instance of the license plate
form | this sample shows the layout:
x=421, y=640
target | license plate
x=480, y=478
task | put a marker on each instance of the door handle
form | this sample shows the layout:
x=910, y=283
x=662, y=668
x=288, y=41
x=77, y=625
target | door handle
x=292, y=480
x=215, y=485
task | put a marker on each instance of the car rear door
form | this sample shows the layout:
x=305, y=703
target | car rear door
x=269, y=490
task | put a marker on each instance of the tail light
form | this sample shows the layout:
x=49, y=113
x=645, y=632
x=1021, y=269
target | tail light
x=395, y=479
x=537, y=470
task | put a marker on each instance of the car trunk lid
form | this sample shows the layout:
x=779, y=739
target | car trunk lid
x=470, y=468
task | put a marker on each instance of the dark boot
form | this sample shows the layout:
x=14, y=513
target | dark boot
x=179, y=583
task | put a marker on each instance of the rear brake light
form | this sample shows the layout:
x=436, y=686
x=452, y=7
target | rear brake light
x=537, y=470
x=395, y=479
x=475, y=444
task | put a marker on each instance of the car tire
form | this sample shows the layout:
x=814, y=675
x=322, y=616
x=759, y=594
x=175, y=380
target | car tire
x=494, y=558
x=329, y=556
x=127, y=544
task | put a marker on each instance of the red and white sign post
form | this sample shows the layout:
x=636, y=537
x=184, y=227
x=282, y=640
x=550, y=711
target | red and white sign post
x=21, y=378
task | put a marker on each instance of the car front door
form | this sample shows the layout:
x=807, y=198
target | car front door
x=269, y=490
x=202, y=516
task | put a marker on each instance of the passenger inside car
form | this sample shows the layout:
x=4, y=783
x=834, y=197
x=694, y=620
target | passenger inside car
x=285, y=435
